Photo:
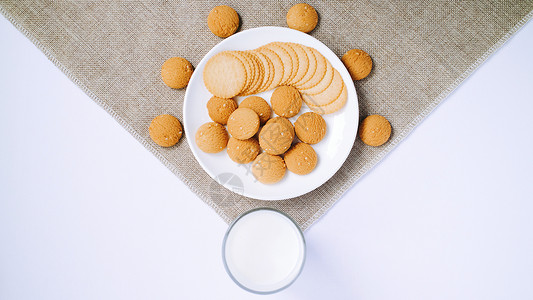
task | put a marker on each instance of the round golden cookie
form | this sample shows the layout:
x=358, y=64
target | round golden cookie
x=286, y=101
x=223, y=21
x=165, y=130
x=268, y=168
x=275, y=138
x=259, y=105
x=219, y=109
x=211, y=137
x=225, y=75
x=358, y=63
x=243, y=151
x=301, y=159
x=176, y=72
x=243, y=123
x=284, y=122
x=375, y=130
x=302, y=17
x=310, y=128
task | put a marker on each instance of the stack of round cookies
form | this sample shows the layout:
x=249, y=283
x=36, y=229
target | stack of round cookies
x=240, y=73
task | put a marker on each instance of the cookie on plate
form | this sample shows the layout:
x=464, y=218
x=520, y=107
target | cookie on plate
x=225, y=75
x=284, y=122
x=323, y=83
x=243, y=123
x=165, y=130
x=277, y=66
x=268, y=168
x=211, y=137
x=311, y=66
x=331, y=107
x=322, y=66
x=223, y=21
x=219, y=109
x=301, y=159
x=303, y=62
x=310, y=128
x=327, y=96
x=259, y=105
x=243, y=151
x=294, y=64
x=176, y=72
x=286, y=101
x=275, y=138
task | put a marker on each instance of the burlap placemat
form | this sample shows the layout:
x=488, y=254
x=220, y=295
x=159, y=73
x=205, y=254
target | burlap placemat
x=113, y=50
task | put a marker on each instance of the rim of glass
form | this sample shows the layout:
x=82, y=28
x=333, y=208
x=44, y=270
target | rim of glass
x=224, y=251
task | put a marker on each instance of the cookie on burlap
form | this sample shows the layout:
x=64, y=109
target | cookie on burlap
x=375, y=130
x=301, y=159
x=243, y=151
x=176, y=72
x=211, y=137
x=302, y=17
x=223, y=21
x=243, y=123
x=275, y=138
x=268, y=168
x=310, y=128
x=284, y=122
x=225, y=75
x=259, y=105
x=165, y=130
x=286, y=101
x=358, y=63
x=219, y=109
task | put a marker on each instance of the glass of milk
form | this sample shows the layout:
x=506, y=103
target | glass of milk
x=263, y=251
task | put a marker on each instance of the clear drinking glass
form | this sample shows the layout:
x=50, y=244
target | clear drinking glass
x=264, y=251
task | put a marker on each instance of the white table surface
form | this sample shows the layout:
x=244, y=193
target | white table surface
x=87, y=213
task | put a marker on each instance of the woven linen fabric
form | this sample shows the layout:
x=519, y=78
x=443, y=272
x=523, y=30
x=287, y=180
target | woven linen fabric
x=113, y=50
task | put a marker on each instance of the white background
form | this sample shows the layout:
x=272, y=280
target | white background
x=87, y=213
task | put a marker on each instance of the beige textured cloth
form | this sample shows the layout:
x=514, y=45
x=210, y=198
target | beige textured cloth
x=113, y=50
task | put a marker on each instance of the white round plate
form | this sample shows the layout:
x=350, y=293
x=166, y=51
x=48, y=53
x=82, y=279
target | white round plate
x=332, y=151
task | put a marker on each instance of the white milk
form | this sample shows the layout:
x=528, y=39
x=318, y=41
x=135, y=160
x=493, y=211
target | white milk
x=264, y=251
